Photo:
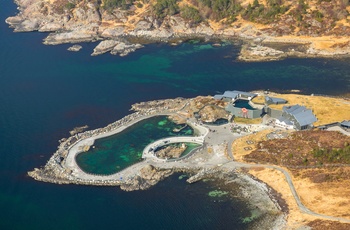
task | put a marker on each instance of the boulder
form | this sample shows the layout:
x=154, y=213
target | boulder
x=124, y=48
x=113, y=32
x=104, y=47
x=143, y=25
x=75, y=48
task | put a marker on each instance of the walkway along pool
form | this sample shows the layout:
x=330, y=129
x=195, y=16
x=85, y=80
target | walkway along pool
x=114, y=153
x=188, y=148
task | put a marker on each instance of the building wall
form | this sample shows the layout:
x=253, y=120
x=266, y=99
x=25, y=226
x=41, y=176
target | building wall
x=237, y=112
x=292, y=119
x=256, y=113
x=274, y=113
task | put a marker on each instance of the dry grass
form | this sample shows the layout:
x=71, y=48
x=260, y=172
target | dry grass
x=259, y=100
x=321, y=43
x=330, y=198
x=276, y=180
x=238, y=145
x=241, y=120
x=326, y=109
x=328, y=195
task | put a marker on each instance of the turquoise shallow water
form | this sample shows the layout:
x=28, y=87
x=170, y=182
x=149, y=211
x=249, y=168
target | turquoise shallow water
x=115, y=153
x=45, y=91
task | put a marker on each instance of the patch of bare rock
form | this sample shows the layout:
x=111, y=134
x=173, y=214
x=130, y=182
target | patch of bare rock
x=75, y=48
x=149, y=176
x=115, y=47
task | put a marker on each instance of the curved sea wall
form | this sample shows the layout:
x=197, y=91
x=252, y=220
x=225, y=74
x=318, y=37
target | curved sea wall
x=55, y=170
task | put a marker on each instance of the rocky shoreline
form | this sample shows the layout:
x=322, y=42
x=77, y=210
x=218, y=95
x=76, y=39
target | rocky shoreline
x=119, y=35
x=147, y=173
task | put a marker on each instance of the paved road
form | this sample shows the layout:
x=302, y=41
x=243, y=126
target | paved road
x=148, y=151
x=203, y=133
x=301, y=206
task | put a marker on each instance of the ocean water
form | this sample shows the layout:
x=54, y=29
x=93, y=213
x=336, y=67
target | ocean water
x=45, y=91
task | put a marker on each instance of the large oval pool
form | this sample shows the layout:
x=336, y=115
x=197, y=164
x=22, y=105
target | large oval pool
x=117, y=152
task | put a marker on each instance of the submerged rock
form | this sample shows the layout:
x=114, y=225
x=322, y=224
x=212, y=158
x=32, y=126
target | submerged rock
x=75, y=48
x=217, y=193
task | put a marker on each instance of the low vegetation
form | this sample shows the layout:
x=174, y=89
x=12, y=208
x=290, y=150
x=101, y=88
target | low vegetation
x=110, y=5
x=299, y=17
x=326, y=225
x=321, y=175
x=163, y=8
x=191, y=14
x=304, y=148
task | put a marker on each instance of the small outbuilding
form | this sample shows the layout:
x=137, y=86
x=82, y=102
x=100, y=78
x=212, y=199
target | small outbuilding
x=345, y=124
x=275, y=100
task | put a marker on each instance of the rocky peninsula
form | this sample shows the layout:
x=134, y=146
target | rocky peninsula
x=268, y=30
x=223, y=157
x=211, y=161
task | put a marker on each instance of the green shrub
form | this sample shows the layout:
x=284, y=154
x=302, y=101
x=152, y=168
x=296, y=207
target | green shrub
x=110, y=5
x=165, y=7
x=69, y=6
x=190, y=13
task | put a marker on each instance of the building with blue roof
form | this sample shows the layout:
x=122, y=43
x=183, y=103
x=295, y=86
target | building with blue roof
x=275, y=100
x=235, y=94
x=296, y=116
x=345, y=124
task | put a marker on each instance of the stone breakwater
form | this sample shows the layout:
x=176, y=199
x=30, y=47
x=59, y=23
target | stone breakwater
x=55, y=170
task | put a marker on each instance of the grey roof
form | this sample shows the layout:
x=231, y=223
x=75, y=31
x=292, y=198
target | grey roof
x=234, y=94
x=303, y=115
x=285, y=120
x=345, y=123
x=218, y=97
x=275, y=99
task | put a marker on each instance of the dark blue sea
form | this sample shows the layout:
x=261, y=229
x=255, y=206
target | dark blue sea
x=45, y=91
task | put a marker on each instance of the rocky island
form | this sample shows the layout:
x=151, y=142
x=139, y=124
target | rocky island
x=242, y=151
x=268, y=30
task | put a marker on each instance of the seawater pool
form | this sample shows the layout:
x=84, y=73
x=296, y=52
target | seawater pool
x=119, y=151
x=243, y=104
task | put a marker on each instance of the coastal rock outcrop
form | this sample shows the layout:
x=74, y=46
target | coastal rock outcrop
x=149, y=176
x=124, y=48
x=104, y=46
x=75, y=48
x=260, y=53
x=86, y=21
x=79, y=35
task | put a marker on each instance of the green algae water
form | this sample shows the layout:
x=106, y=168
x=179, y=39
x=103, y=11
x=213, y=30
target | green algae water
x=117, y=152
